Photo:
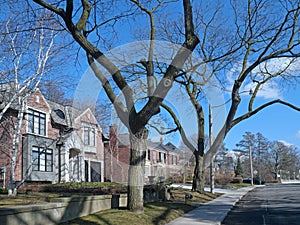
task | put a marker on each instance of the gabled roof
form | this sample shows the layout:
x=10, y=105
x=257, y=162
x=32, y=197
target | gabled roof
x=123, y=140
x=60, y=114
x=171, y=148
x=8, y=93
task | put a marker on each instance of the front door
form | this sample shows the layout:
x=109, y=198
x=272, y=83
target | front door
x=95, y=172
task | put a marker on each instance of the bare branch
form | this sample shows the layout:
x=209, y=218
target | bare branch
x=179, y=128
x=251, y=113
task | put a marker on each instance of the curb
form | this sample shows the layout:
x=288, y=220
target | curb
x=213, y=212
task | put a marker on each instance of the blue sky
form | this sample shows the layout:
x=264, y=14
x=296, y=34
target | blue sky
x=276, y=122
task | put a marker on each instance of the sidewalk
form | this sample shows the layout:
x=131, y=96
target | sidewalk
x=213, y=212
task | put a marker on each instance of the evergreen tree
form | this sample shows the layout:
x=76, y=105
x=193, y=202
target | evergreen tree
x=238, y=169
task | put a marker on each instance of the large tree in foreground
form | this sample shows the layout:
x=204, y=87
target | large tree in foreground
x=135, y=117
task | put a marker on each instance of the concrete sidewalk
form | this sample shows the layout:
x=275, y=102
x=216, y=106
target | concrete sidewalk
x=213, y=212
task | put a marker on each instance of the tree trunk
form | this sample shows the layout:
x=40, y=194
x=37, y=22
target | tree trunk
x=136, y=171
x=12, y=187
x=198, y=179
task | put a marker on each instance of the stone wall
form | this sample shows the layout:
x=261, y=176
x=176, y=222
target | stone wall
x=57, y=212
x=60, y=210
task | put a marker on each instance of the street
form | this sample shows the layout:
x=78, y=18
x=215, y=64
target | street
x=268, y=205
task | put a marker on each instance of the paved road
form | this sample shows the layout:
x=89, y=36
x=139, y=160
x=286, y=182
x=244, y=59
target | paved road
x=268, y=205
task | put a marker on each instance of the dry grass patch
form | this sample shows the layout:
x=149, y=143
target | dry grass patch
x=155, y=214
x=6, y=201
x=179, y=195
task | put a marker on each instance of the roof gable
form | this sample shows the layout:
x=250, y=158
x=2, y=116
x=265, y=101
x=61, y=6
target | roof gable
x=38, y=101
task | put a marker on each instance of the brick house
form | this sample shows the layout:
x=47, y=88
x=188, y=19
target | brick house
x=162, y=160
x=57, y=144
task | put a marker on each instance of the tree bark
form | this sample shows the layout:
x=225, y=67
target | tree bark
x=198, y=179
x=136, y=172
x=12, y=188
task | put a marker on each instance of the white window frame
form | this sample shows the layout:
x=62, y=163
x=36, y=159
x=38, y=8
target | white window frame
x=91, y=140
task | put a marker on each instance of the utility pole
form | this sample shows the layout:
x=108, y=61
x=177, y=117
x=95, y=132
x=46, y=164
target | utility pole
x=251, y=164
x=212, y=165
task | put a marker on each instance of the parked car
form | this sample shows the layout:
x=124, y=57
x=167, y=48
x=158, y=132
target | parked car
x=256, y=180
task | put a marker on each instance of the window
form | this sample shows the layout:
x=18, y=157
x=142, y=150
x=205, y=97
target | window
x=42, y=159
x=174, y=160
x=36, y=122
x=154, y=157
x=148, y=155
x=162, y=157
x=89, y=136
x=60, y=114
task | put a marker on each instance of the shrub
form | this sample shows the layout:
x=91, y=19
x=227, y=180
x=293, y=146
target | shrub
x=85, y=187
x=237, y=180
x=3, y=191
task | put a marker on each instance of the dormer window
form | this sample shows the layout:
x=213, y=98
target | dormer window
x=60, y=114
x=36, y=122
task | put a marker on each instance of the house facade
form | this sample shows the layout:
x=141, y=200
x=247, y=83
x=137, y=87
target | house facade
x=57, y=143
x=162, y=160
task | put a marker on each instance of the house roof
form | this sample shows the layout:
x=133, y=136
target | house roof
x=60, y=114
x=169, y=147
x=8, y=95
x=63, y=115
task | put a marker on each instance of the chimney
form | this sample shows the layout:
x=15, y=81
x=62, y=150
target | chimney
x=161, y=140
x=113, y=135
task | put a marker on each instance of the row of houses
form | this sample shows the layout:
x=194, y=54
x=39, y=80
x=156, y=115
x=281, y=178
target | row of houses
x=60, y=143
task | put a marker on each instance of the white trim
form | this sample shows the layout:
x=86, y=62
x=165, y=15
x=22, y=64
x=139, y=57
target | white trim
x=89, y=160
x=89, y=148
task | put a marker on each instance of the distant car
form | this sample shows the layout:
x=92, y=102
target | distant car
x=256, y=180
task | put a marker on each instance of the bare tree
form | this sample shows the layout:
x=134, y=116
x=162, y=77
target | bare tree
x=256, y=46
x=81, y=27
x=21, y=75
x=283, y=158
x=266, y=37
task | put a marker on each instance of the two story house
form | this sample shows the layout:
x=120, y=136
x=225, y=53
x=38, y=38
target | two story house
x=162, y=160
x=57, y=143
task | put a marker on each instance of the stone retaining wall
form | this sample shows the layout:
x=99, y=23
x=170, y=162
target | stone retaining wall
x=64, y=209
x=60, y=210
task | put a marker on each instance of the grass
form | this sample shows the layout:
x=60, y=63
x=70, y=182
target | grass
x=26, y=199
x=238, y=185
x=155, y=213
x=19, y=200
x=85, y=187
